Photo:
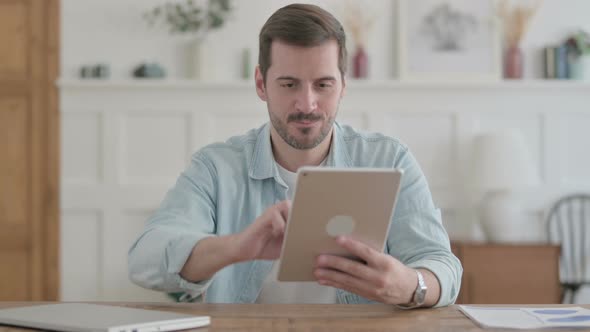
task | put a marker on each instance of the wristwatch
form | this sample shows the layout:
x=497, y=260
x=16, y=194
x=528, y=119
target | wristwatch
x=419, y=293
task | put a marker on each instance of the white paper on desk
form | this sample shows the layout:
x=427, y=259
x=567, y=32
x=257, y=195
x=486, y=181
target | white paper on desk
x=527, y=317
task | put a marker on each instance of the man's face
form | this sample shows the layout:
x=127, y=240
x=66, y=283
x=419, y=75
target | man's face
x=303, y=90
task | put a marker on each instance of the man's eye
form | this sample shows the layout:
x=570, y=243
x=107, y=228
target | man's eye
x=287, y=85
x=325, y=85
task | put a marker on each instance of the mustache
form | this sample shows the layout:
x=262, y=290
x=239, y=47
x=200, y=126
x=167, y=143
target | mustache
x=304, y=117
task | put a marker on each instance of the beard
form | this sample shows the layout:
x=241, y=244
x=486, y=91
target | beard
x=308, y=139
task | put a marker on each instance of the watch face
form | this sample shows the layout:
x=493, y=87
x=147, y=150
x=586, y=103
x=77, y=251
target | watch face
x=420, y=295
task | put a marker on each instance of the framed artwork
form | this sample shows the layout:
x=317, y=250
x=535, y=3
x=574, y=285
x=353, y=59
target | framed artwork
x=446, y=40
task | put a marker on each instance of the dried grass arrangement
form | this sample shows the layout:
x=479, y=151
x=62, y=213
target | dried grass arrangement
x=358, y=20
x=516, y=20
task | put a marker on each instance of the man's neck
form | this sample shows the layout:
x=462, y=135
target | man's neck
x=292, y=159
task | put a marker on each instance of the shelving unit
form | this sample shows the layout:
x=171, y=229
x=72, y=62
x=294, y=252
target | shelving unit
x=356, y=84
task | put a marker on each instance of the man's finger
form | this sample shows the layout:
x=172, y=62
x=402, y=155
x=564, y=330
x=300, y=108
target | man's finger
x=345, y=281
x=284, y=208
x=278, y=224
x=359, y=249
x=348, y=266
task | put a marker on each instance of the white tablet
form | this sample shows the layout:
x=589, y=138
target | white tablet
x=328, y=202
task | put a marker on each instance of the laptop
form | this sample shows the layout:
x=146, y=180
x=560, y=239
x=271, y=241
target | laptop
x=95, y=317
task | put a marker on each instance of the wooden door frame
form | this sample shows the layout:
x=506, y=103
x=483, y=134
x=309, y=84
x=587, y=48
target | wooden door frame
x=45, y=249
x=52, y=244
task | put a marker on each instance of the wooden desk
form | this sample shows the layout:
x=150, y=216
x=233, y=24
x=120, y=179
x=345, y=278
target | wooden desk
x=333, y=318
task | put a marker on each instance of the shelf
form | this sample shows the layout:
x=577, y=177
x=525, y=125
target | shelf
x=149, y=83
x=187, y=83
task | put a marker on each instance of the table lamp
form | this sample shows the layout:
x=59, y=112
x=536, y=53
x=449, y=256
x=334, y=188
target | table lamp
x=501, y=166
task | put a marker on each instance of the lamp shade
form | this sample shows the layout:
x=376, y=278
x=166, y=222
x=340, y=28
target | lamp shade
x=501, y=161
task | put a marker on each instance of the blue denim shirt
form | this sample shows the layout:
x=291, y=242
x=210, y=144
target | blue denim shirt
x=228, y=185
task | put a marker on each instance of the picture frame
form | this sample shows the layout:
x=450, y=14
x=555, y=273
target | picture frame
x=448, y=40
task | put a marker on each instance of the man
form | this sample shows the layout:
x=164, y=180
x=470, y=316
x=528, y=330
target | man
x=220, y=228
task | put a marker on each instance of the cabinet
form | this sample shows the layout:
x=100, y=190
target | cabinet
x=508, y=274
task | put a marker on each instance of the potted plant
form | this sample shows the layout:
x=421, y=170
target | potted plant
x=197, y=18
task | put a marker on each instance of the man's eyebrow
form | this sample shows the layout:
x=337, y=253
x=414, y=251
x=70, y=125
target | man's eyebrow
x=290, y=78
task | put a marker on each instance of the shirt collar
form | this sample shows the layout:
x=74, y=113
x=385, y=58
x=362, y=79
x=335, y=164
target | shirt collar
x=263, y=163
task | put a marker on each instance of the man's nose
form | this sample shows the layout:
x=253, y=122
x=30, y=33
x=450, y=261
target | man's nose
x=306, y=100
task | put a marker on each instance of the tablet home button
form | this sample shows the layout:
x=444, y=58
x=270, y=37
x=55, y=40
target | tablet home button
x=340, y=225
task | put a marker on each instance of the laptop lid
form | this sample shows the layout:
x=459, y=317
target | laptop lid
x=95, y=317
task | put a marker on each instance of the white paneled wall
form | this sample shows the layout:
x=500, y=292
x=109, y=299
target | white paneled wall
x=124, y=144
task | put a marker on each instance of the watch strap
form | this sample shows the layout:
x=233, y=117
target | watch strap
x=419, y=293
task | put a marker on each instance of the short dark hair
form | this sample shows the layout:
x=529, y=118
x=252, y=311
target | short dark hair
x=302, y=25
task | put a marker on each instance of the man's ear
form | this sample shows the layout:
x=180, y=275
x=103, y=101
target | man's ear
x=343, y=92
x=260, y=87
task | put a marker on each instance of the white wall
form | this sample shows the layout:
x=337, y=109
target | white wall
x=108, y=129
x=125, y=142
x=113, y=31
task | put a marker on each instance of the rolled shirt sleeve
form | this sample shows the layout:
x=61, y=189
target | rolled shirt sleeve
x=186, y=216
x=417, y=236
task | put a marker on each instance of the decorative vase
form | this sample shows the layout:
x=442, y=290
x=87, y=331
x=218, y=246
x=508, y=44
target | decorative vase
x=501, y=217
x=246, y=71
x=360, y=63
x=200, y=61
x=513, y=63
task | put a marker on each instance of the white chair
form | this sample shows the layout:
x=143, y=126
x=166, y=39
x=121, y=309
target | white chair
x=568, y=224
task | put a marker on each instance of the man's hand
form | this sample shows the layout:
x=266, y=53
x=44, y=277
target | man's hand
x=382, y=278
x=263, y=239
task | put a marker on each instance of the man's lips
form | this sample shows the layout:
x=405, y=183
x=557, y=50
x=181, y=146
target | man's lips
x=304, y=119
x=306, y=122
